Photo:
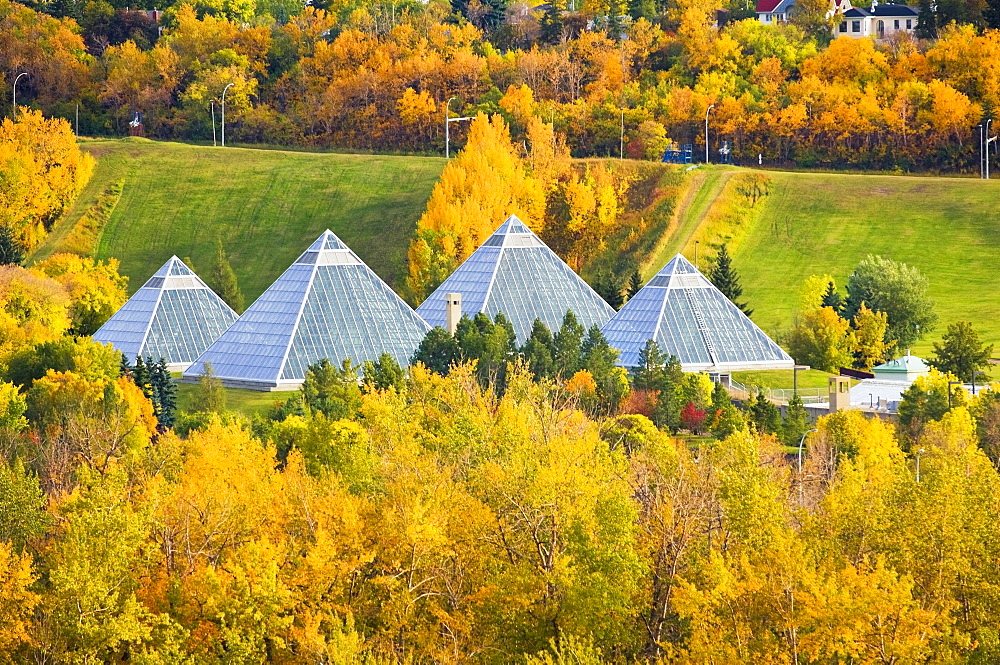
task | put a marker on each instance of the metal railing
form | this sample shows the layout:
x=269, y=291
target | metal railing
x=778, y=395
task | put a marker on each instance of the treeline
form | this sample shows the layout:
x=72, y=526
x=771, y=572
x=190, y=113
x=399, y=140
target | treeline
x=372, y=76
x=419, y=517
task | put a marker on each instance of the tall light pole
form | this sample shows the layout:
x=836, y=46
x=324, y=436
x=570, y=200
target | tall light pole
x=980, y=128
x=224, y=90
x=214, y=144
x=707, y=111
x=918, y=463
x=447, y=123
x=987, y=146
x=14, y=92
x=795, y=378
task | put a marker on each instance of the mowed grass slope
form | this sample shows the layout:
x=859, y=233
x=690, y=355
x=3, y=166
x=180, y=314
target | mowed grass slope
x=266, y=205
x=816, y=223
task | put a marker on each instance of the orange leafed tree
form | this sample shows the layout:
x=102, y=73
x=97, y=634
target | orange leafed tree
x=480, y=188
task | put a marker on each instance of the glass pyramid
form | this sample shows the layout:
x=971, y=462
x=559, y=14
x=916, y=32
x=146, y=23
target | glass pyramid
x=174, y=316
x=514, y=272
x=691, y=319
x=328, y=304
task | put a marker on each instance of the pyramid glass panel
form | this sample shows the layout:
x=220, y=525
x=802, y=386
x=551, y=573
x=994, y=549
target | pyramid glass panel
x=328, y=304
x=514, y=272
x=174, y=316
x=691, y=319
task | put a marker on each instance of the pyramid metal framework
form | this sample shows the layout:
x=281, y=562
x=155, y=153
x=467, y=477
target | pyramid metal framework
x=514, y=272
x=174, y=316
x=328, y=304
x=691, y=319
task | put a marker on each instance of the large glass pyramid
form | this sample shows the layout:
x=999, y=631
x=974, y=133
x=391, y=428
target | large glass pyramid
x=691, y=319
x=174, y=316
x=514, y=272
x=328, y=304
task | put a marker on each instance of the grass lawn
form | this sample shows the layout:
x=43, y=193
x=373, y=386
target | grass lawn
x=244, y=401
x=816, y=223
x=268, y=206
x=783, y=379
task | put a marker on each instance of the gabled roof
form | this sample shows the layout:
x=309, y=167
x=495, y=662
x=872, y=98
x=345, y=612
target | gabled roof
x=767, y=6
x=514, y=272
x=691, y=319
x=856, y=12
x=896, y=10
x=328, y=304
x=174, y=316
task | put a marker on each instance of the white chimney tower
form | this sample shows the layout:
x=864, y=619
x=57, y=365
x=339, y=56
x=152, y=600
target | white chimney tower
x=452, y=311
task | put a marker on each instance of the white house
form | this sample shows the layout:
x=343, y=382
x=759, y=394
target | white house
x=881, y=21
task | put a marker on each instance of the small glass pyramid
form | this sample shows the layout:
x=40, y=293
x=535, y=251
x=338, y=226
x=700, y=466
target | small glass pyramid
x=328, y=304
x=691, y=319
x=174, y=316
x=514, y=272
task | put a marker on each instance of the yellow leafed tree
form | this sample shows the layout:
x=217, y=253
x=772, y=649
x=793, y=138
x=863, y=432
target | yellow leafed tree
x=480, y=188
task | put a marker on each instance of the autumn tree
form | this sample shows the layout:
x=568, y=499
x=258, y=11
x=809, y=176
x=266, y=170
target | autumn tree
x=960, y=352
x=479, y=189
x=822, y=340
x=896, y=289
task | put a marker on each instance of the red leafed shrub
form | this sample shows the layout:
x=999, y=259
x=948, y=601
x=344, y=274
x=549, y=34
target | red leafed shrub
x=692, y=418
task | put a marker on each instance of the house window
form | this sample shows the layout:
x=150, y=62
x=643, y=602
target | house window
x=881, y=28
x=895, y=24
x=909, y=24
x=843, y=26
x=855, y=26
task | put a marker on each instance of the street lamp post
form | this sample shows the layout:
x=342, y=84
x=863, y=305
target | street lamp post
x=950, y=384
x=696, y=242
x=214, y=144
x=918, y=463
x=795, y=378
x=224, y=90
x=447, y=123
x=987, y=146
x=980, y=128
x=707, y=111
x=14, y=92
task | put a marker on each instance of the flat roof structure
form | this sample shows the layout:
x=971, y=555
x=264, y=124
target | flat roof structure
x=328, y=304
x=691, y=319
x=174, y=316
x=514, y=272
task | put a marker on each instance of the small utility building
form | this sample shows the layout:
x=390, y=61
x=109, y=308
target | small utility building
x=690, y=318
x=174, y=316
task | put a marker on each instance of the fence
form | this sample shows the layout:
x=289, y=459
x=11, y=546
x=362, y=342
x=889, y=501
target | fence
x=778, y=395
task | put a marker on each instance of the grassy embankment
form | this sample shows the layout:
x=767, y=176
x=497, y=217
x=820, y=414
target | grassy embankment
x=267, y=205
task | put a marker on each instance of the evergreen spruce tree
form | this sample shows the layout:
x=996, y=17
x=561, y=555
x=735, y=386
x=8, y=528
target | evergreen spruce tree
x=725, y=418
x=211, y=395
x=650, y=371
x=726, y=280
x=765, y=415
x=600, y=360
x=670, y=400
x=140, y=375
x=551, y=23
x=383, y=373
x=539, y=351
x=832, y=298
x=164, y=394
x=438, y=350
x=607, y=287
x=568, y=342
x=634, y=284
x=796, y=422
x=11, y=251
x=224, y=279
x=499, y=348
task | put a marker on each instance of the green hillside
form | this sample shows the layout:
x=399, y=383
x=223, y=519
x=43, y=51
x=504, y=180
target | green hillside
x=816, y=223
x=267, y=205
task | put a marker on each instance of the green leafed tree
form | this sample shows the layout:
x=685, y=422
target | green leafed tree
x=383, y=373
x=538, y=351
x=725, y=278
x=898, y=290
x=224, y=279
x=961, y=352
x=437, y=351
x=332, y=390
x=568, y=342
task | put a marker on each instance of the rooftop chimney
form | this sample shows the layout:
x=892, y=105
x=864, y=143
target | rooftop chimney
x=452, y=311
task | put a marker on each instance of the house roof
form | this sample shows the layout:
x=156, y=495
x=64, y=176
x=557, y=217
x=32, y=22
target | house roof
x=767, y=6
x=903, y=365
x=895, y=10
x=856, y=12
